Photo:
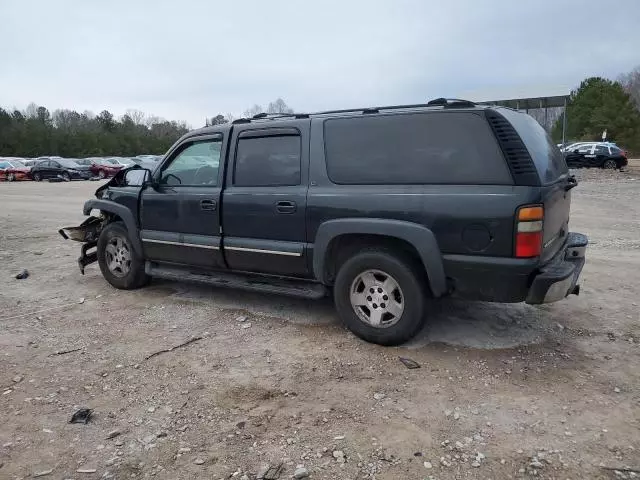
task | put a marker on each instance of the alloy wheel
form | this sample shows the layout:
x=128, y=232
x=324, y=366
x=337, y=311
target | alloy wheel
x=377, y=299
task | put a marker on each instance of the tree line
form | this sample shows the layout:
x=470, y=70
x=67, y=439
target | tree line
x=599, y=105
x=36, y=132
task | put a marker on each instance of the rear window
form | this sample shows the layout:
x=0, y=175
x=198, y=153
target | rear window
x=420, y=148
x=546, y=156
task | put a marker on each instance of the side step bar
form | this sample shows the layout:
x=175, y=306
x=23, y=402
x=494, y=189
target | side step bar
x=255, y=283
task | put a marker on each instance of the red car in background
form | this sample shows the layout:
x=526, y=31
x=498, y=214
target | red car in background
x=11, y=170
x=105, y=167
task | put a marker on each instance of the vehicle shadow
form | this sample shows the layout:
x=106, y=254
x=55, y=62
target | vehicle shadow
x=480, y=325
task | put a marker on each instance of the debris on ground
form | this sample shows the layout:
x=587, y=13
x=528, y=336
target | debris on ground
x=166, y=350
x=64, y=352
x=86, y=470
x=300, y=472
x=410, y=364
x=23, y=274
x=113, y=434
x=81, y=416
x=43, y=473
x=270, y=472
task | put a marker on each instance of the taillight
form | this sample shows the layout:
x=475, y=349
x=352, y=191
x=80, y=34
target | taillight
x=529, y=231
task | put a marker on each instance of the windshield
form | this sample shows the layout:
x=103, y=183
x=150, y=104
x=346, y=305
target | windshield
x=17, y=164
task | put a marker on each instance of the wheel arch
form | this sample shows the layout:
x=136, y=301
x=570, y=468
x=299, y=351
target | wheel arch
x=415, y=240
x=117, y=212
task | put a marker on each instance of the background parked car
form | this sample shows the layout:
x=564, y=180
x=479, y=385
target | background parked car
x=596, y=154
x=105, y=167
x=63, y=168
x=11, y=170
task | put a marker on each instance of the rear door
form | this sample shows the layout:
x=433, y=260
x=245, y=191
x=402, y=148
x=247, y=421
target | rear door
x=601, y=154
x=180, y=218
x=265, y=199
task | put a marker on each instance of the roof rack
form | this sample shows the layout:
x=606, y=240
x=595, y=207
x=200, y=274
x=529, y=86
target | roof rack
x=438, y=102
x=270, y=116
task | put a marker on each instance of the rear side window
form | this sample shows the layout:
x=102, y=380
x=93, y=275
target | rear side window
x=602, y=150
x=421, y=148
x=268, y=161
x=546, y=156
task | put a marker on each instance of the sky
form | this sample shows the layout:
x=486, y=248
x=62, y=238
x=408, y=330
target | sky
x=191, y=59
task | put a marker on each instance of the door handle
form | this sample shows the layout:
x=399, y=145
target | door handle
x=208, y=204
x=285, y=206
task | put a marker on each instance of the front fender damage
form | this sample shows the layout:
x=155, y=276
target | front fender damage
x=88, y=233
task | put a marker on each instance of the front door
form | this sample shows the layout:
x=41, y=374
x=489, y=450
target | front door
x=180, y=215
x=265, y=199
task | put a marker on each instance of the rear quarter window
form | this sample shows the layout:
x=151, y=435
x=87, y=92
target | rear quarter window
x=417, y=148
x=546, y=156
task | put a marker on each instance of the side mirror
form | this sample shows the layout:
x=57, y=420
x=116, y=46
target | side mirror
x=138, y=177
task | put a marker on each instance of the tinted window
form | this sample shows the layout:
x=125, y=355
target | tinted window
x=195, y=165
x=602, y=150
x=267, y=161
x=615, y=150
x=439, y=148
x=546, y=156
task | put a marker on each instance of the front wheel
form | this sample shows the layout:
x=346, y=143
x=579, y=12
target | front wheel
x=66, y=177
x=101, y=174
x=610, y=164
x=380, y=296
x=120, y=265
x=11, y=177
x=37, y=177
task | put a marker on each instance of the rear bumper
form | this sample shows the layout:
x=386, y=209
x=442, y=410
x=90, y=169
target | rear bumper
x=559, y=278
x=513, y=280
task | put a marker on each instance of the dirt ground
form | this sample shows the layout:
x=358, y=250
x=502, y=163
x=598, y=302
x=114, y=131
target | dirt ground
x=504, y=391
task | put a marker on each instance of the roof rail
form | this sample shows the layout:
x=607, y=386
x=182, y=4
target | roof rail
x=438, y=102
x=451, y=102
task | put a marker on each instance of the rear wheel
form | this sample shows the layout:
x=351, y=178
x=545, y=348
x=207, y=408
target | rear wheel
x=380, y=296
x=610, y=164
x=11, y=177
x=120, y=265
x=101, y=174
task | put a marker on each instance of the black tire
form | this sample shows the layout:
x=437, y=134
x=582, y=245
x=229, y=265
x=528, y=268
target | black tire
x=411, y=283
x=135, y=277
x=101, y=174
x=37, y=177
x=610, y=164
x=11, y=177
x=66, y=177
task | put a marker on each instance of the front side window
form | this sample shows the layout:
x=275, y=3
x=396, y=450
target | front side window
x=195, y=165
x=268, y=161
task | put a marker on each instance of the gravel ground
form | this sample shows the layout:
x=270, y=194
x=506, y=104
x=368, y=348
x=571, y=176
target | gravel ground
x=504, y=391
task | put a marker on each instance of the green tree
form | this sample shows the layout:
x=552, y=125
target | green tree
x=599, y=104
x=37, y=132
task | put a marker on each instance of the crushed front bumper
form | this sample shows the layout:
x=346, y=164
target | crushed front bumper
x=559, y=278
x=88, y=233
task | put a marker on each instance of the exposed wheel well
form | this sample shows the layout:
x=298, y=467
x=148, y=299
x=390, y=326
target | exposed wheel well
x=344, y=246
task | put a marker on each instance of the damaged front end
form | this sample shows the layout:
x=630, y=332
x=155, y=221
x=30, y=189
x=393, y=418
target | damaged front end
x=88, y=233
